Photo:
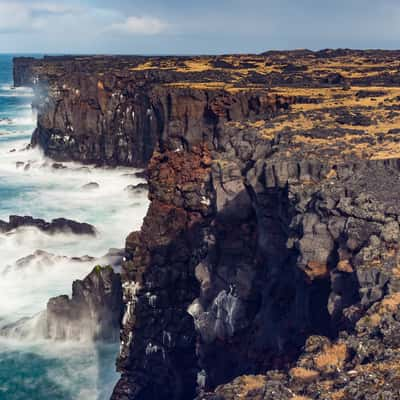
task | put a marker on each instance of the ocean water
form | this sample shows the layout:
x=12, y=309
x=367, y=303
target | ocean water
x=35, y=368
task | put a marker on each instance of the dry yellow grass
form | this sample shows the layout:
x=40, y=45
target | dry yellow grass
x=332, y=358
x=339, y=395
x=195, y=65
x=322, y=116
x=316, y=270
x=253, y=382
x=296, y=397
x=200, y=85
x=345, y=266
x=388, y=305
x=304, y=374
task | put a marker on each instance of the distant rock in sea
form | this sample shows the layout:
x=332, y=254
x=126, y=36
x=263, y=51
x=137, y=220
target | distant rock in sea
x=58, y=225
x=93, y=313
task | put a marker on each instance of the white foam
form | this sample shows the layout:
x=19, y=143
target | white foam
x=84, y=371
x=58, y=193
x=16, y=94
x=44, y=192
x=7, y=90
x=19, y=121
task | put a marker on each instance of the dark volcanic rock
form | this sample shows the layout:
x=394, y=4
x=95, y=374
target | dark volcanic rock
x=261, y=254
x=346, y=117
x=141, y=174
x=370, y=93
x=137, y=189
x=93, y=312
x=44, y=259
x=116, y=120
x=58, y=166
x=58, y=225
x=91, y=186
x=143, y=118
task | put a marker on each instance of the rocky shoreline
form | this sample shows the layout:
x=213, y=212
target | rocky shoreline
x=267, y=264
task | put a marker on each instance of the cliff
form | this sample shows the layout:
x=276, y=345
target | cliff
x=267, y=265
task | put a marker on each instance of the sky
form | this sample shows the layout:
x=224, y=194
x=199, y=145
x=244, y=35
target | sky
x=195, y=27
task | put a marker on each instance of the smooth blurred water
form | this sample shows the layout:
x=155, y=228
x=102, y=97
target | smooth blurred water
x=38, y=369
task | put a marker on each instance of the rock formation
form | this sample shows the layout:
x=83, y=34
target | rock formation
x=93, y=312
x=267, y=264
x=58, y=225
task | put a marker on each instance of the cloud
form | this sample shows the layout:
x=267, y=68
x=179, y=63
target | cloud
x=140, y=26
x=14, y=17
x=46, y=17
x=24, y=17
x=54, y=8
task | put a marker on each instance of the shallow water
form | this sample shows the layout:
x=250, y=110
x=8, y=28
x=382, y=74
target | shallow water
x=33, y=368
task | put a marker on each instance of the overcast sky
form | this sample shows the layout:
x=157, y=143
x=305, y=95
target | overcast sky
x=200, y=26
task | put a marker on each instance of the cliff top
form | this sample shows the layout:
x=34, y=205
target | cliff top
x=301, y=68
x=347, y=103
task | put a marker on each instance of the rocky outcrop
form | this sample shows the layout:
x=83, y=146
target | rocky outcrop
x=58, y=225
x=93, y=313
x=116, y=110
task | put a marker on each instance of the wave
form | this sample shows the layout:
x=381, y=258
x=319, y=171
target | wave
x=18, y=121
x=16, y=95
x=27, y=106
x=17, y=90
x=16, y=134
x=57, y=370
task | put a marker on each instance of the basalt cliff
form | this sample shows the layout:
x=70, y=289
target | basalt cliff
x=267, y=266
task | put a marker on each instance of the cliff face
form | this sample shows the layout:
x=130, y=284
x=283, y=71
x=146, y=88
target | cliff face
x=269, y=254
x=260, y=264
x=100, y=123
x=96, y=114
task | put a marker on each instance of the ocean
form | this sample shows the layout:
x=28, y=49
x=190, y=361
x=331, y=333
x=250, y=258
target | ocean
x=34, y=368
